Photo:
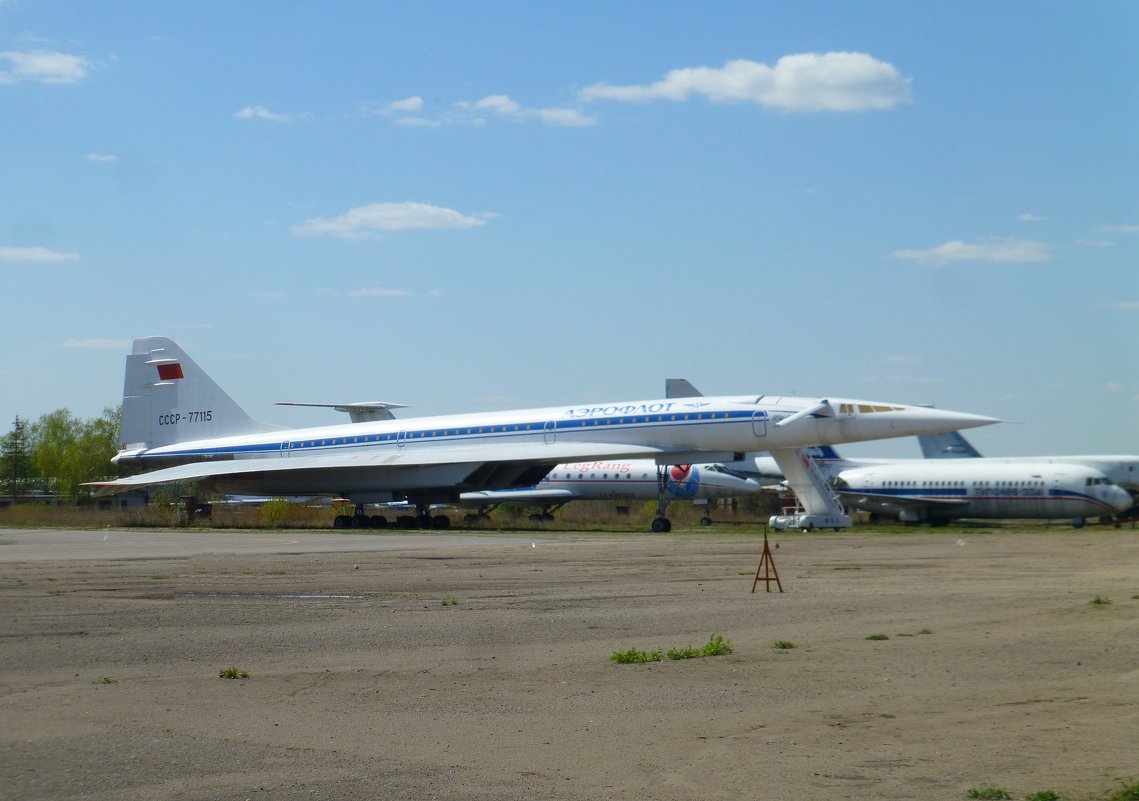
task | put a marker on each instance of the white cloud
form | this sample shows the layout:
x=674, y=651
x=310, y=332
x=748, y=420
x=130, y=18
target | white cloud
x=1095, y=243
x=999, y=251
x=504, y=106
x=98, y=344
x=1118, y=229
x=262, y=113
x=413, y=103
x=801, y=82
x=1026, y=217
x=42, y=66
x=410, y=112
x=364, y=221
x=379, y=292
x=35, y=254
x=102, y=158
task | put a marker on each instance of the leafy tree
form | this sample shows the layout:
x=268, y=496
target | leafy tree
x=16, y=458
x=71, y=451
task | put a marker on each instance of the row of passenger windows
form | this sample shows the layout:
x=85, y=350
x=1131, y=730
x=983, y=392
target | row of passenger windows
x=520, y=427
x=975, y=484
x=567, y=476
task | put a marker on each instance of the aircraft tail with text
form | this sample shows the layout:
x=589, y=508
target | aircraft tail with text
x=168, y=399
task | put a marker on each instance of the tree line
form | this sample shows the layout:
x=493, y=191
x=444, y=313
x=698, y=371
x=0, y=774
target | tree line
x=57, y=453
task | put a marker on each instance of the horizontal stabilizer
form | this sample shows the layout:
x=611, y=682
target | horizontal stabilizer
x=362, y=412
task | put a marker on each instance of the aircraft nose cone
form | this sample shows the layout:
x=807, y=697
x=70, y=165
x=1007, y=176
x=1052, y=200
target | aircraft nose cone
x=1120, y=499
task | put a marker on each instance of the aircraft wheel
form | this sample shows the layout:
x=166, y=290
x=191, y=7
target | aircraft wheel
x=662, y=525
x=405, y=522
x=807, y=529
x=342, y=521
x=378, y=521
x=1077, y=522
x=440, y=522
x=470, y=519
x=535, y=518
x=547, y=518
x=705, y=521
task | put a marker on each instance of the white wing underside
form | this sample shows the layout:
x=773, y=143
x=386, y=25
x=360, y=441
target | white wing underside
x=389, y=466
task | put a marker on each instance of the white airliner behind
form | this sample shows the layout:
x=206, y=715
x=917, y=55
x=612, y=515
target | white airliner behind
x=940, y=490
x=176, y=419
x=1119, y=469
x=636, y=479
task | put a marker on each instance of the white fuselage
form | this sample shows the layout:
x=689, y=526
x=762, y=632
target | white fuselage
x=634, y=479
x=920, y=489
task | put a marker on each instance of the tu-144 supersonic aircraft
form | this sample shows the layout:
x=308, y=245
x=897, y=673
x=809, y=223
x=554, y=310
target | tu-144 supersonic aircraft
x=180, y=426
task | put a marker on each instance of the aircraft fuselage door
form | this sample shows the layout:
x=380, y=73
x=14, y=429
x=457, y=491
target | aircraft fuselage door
x=550, y=432
x=400, y=439
x=759, y=424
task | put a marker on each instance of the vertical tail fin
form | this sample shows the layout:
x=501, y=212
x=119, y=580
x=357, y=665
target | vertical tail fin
x=950, y=445
x=168, y=399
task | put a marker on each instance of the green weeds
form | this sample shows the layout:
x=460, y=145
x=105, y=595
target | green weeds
x=783, y=645
x=987, y=793
x=233, y=673
x=716, y=646
x=878, y=637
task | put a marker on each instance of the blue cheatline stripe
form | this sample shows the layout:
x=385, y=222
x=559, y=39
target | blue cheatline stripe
x=452, y=433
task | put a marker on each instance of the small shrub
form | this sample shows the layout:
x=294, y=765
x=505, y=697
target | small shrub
x=925, y=631
x=878, y=637
x=105, y=680
x=450, y=602
x=274, y=511
x=987, y=793
x=783, y=645
x=717, y=646
x=1043, y=795
x=233, y=673
x=1100, y=600
x=684, y=653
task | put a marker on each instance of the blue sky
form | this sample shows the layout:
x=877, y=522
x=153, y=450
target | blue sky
x=474, y=206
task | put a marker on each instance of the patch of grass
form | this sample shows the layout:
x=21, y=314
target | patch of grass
x=635, y=657
x=1100, y=600
x=1129, y=792
x=233, y=673
x=988, y=792
x=105, y=680
x=160, y=578
x=450, y=602
x=877, y=637
x=717, y=646
x=684, y=653
x=925, y=631
x=783, y=645
x=1043, y=795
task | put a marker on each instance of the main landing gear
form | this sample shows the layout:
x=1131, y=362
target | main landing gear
x=423, y=519
x=662, y=524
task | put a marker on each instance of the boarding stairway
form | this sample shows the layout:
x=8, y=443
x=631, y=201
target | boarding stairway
x=820, y=507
